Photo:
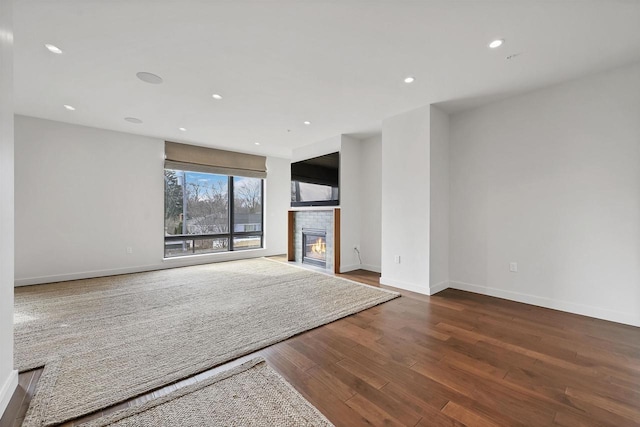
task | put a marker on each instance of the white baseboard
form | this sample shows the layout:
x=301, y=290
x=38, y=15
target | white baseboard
x=86, y=275
x=413, y=287
x=165, y=264
x=439, y=287
x=369, y=267
x=585, y=310
x=7, y=389
x=347, y=268
x=353, y=267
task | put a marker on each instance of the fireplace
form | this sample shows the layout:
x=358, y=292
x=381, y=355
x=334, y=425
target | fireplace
x=314, y=247
x=326, y=222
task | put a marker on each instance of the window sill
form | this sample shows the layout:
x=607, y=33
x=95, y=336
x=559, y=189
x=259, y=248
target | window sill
x=213, y=255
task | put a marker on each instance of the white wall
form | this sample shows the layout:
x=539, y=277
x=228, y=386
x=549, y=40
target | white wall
x=439, y=202
x=551, y=180
x=326, y=146
x=350, y=200
x=371, y=203
x=277, y=203
x=405, y=200
x=83, y=195
x=8, y=376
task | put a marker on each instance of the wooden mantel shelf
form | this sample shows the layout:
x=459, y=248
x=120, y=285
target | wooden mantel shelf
x=314, y=208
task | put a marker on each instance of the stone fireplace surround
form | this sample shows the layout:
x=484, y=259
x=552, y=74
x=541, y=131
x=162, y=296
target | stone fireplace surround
x=327, y=219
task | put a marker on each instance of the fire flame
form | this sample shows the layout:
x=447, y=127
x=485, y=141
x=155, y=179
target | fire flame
x=319, y=247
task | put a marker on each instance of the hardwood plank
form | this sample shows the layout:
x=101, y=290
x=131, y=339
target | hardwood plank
x=516, y=404
x=373, y=395
x=373, y=413
x=548, y=380
x=572, y=419
x=473, y=366
x=295, y=357
x=607, y=404
x=430, y=422
x=540, y=355
x=362, y=372
x=402, y=349
x=427, y=390
x=337, y=387
x=466, y=417
x=314, y=355
x=431, y=414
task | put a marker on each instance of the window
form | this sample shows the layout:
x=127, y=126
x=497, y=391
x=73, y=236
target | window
x=208, y=213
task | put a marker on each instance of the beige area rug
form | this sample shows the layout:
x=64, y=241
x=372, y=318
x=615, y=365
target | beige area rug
x=251, y=394
x=103, y=341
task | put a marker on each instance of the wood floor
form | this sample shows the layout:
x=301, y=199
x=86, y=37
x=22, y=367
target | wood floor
x=452, y=359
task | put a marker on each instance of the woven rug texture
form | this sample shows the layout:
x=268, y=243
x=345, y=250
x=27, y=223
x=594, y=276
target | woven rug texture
x=103, y=341
x=251, y=394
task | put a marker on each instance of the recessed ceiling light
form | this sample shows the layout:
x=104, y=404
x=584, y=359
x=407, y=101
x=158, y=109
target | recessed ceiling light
x=133, y=120
x=257, y=143
x=496, y=43
x=69, y=107
x=149, y=78
x=307, y=122
x=216, y=96
x=409, y=79
x=53, y=49
x=182, y=129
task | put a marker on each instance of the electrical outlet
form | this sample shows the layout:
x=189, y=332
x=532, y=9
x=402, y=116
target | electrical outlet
x=129, y=250
x=513, y=267
x=396, y=259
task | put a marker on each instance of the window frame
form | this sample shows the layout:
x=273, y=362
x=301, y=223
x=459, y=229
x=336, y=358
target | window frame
x=231, y=222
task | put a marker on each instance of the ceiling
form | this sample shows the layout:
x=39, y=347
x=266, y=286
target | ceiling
x=339, y=64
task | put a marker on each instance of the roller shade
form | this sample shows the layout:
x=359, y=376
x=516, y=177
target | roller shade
x=211, y=160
